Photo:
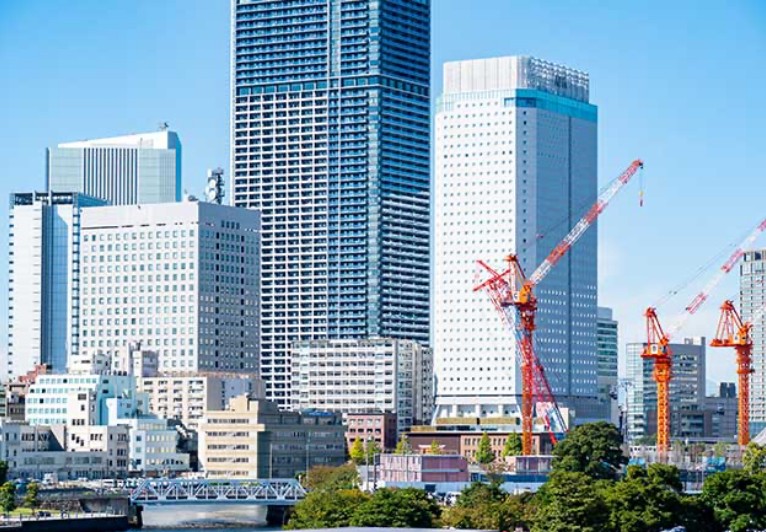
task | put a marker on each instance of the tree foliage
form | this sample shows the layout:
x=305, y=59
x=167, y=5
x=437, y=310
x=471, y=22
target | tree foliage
x=593, y=449
x=8, y=497
x=397, y=508
x=487, y=507
x=754, y=459
x=31, y=495
x=3, y=472
x=737, y=499
x=570, y=501
x=484, y=453
x=435, y=448
x=403, y=445
x=356, y=453
x=512, y=445
x=327, y=509
x=646, y=499
x=322, y=477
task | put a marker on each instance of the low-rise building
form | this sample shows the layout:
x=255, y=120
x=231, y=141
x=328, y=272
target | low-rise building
x=380, y=428
x=371, y=375
x=465, y=442
x=413, y=469
x=13, y=396
x=252, y=438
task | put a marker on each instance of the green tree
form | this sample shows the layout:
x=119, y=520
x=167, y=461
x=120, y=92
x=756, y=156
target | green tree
x=397, y=508
x=479, y=506
x=403, y=445
x=646, y=499
x=31, y=495
x=737, y=498
x=484, y=453
x=327, y=509
x=8, y=497
x=371, y=449
x=570, y=501
x=322, y=477
x=512, y=445
x=3, y=472
x=754, y=459
x=435, y=448
x=719, y=449
x=356, y=453
x=593, y=449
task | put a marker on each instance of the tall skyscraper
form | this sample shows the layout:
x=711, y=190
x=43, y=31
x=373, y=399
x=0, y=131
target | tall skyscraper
x=180, y=278
x=44, y=280
x=752, y=292
x=515, y=169
x=608, y=351
x=687, y=389
x=140, y=168
x=330, y=140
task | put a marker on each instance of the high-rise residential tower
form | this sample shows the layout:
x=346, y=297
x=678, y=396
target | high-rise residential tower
x=608, y=351
x=139, y=168
x=515, y=168
x=44, y=280
x=330, y=140
x=752, y=291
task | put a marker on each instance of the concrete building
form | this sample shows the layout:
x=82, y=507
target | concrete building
x=373, y=375
x=330, y=140
x=186, y=398
x=723, y=410
x=687, y=389
x=607, y=344
x=254, y=439
x=180, y=278
x=68, y=453
x=466, y=442
x=417, y=469
x=752, y=295
x=380, y=428
x=516, y=144
x=140, y=168
x=14, y=394
x=43, y=280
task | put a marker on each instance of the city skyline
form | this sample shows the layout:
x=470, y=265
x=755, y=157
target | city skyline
x=629, y=76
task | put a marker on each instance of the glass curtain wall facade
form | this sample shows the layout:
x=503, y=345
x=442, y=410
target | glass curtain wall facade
x=330, y=140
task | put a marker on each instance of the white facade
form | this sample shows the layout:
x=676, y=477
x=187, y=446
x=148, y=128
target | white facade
x=187, y=397
x=365, y=376
x=752, y=286
x=130, y=169
x=515, y=168
x=43, y=280
x=182, y=279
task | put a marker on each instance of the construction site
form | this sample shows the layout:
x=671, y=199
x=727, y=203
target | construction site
x=512, y=294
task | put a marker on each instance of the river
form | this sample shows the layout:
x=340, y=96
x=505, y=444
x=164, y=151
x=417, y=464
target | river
x=197, y=517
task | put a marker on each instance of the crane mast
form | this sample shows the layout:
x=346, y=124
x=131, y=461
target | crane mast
x=512, y=294
x=732, y=331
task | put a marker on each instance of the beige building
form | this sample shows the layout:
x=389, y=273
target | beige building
x=253, y=439
x=187, y=398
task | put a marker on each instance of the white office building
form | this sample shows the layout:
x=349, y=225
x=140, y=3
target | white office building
x=515, y=168
x=43, y=280
x=138, y=168
x=365, y=376
x=752, y=291
x=180, y=278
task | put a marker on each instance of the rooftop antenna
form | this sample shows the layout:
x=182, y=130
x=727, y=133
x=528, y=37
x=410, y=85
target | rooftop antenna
x=163, y=126
x=214, y=191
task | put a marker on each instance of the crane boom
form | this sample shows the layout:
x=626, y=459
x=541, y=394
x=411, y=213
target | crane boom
x=609, y=192
x=702, y=296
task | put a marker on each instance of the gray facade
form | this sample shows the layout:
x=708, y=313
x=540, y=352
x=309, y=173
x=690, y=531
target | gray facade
x=752, y=291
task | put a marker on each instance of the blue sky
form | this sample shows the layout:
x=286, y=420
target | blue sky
x=679, y=84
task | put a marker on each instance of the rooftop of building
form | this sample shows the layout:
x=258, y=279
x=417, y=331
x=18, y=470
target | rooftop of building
x=156, y=140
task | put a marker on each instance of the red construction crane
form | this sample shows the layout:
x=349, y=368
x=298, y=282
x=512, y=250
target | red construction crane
x=657, y=343
x=512, y=294
x=733, y=332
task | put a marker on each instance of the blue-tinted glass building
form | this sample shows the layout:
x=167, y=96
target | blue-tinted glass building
x=330, y=140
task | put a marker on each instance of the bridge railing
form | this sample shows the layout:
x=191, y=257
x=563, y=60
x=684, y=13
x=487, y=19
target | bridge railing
x=181, y=490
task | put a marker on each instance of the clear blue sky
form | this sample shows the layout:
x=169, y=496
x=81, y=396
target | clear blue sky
x=680, y=84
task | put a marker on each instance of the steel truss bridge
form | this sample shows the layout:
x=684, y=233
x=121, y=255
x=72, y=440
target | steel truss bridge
x=274, y=492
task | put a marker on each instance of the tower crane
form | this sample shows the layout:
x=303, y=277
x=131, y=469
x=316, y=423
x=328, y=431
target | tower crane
x=733, y=332
x=657, y=346
x=512, y=294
